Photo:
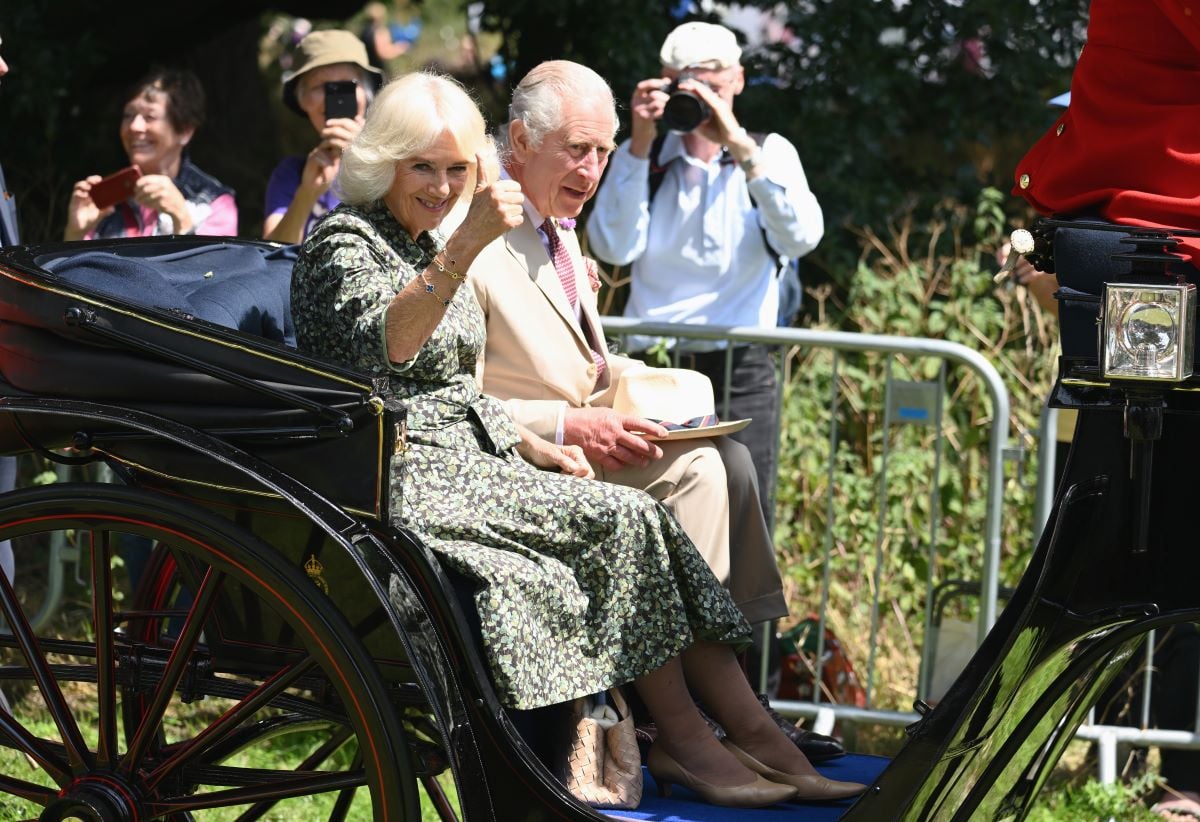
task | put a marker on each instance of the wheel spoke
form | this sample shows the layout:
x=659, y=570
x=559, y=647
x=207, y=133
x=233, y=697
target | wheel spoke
x=37, y=794
x=437, y=797
x=102, y=616
x=79, y=756
x=341, y=808
x=311, y=762
x=318, y=757
x=189, y=635
x=297, y=785
x=35, y=748
x=257, y=699
x=53, y=646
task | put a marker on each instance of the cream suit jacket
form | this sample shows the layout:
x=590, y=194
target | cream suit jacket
x=535, y=350
x=537, y=359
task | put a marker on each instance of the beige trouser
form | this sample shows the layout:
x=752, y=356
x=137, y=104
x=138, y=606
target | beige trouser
x=709, y=485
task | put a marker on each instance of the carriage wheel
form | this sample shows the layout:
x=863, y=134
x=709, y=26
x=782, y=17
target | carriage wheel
x=241, y=688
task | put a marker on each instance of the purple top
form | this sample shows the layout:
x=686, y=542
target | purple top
x=285, y=179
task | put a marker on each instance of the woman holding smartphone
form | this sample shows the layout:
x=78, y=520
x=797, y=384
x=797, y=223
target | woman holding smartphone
x=331, y=84
x=162, y=192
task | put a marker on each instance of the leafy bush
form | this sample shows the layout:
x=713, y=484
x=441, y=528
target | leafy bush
x=1093, y=800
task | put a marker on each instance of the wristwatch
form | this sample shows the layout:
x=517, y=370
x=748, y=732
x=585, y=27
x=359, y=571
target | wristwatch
x=753, y=161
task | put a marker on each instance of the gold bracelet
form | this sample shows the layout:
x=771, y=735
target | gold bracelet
x=429, y=289
x=442, y=269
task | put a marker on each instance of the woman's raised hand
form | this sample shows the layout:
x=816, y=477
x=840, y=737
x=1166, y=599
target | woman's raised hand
x=323, y=162
x=82, y=213
x=496, y=207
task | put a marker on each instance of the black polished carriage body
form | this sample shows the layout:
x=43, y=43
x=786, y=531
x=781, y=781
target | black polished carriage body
x=282, y=593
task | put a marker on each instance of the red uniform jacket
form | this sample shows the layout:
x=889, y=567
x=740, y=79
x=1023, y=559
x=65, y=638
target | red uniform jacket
x=1128, y=146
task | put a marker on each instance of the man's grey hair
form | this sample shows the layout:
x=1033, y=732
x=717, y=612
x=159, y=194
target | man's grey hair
x=537, y=101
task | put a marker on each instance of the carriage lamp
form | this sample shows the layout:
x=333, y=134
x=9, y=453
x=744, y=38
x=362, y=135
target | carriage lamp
x=1149, y=331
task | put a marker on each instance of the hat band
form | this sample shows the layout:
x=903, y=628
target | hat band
x=707, y=421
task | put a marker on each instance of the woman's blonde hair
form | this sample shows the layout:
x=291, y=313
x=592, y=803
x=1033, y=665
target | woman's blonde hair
x=406, y=118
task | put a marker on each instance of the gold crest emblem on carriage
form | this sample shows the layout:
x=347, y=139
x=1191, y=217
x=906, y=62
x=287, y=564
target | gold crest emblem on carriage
x=314, y=569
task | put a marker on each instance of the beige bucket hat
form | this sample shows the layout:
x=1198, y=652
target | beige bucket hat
x=325, y=48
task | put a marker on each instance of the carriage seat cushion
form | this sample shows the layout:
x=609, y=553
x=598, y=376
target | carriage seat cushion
x=240, y=286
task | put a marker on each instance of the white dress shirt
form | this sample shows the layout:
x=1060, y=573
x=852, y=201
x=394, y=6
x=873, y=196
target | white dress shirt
x=699, y=257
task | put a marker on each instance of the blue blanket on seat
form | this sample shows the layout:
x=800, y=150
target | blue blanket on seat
x=247, y=287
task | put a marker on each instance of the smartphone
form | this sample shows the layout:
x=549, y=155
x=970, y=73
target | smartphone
x=115, y=188
x=341, y=99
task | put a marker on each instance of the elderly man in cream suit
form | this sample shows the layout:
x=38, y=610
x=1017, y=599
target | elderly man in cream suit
x=546, y=356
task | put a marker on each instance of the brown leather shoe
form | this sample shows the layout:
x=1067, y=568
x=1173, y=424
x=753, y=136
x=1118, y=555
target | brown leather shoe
x=817, y=747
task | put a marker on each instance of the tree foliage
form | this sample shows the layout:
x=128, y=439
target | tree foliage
x=897, y=103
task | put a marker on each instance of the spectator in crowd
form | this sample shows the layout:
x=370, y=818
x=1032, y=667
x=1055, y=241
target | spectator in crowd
x=547, y=359
x=578, y=585
x=9, y=235
x=1138, y=70
x=708, y=217
x=162, y=112
x=298, y=193
x=380, y=39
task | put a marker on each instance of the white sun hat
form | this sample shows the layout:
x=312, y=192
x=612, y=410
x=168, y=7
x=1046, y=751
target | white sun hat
x=679, y=399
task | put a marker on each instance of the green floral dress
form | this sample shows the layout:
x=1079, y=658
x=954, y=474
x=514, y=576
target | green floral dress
x=580, y=585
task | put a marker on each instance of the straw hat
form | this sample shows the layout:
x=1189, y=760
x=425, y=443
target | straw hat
x=325, y=48
x=677, y=398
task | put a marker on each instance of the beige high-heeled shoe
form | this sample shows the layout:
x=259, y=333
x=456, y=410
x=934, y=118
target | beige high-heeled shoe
x=757, y=794
x=811, y=786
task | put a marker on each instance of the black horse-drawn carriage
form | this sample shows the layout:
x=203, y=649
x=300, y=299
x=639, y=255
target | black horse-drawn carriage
x=287, y=648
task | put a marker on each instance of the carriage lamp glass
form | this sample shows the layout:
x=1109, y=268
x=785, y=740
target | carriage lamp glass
x=1149, y=331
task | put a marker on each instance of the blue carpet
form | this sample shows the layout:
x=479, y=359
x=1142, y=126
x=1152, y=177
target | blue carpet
x=685, y=806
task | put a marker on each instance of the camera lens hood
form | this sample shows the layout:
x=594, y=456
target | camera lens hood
x=684, y=111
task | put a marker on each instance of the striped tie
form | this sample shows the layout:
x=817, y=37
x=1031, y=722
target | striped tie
x=566, y=275
x=561, y=260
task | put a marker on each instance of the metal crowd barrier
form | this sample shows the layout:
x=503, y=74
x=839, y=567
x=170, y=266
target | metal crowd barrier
x=824, y=712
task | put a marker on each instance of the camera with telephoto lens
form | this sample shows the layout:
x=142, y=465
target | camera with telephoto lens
x=684, y=110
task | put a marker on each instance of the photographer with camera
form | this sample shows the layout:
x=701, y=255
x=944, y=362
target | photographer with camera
x=331, y=83
x=709, y=217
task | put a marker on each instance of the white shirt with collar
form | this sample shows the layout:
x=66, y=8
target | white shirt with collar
x=698, y=256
